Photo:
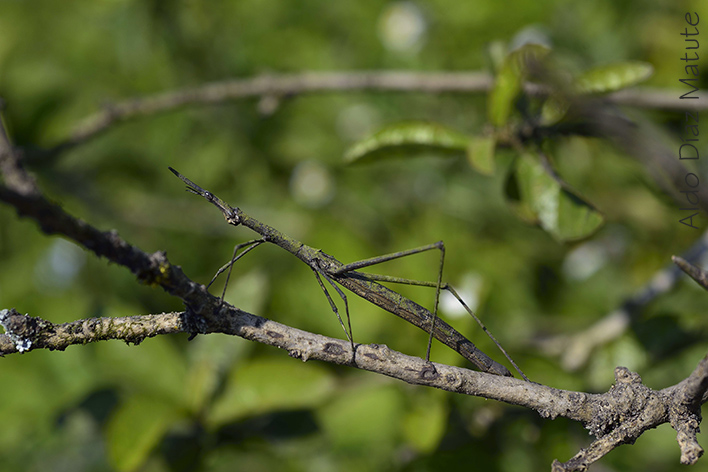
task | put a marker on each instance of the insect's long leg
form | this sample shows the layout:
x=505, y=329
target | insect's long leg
x=250, y=245
x=437, y=299
x=484, y=328
x=449, y=288
x=388, y=257
x=349, y=334
x=438, y=286
x=397, y=255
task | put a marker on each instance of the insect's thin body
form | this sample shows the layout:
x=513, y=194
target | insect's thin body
x=361, y=284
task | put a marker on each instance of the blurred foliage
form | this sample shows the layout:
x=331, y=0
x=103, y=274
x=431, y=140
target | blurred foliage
x=218, y=402
x=534, y=190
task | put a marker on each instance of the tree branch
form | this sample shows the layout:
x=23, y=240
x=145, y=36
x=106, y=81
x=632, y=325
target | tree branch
x=695, y=272
x=617, y=417
x=11, y=168
x=25, y=333
x=288, y=85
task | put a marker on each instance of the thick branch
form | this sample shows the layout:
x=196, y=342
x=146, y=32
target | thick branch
x=25, y=333
x=614, y=413
x=617, y=417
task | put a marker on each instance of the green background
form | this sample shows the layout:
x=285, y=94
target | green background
x=222, y=403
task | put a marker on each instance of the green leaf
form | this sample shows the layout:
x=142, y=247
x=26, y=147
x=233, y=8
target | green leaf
x=613, y=77
x=209, y=358
x=409, y=139
x=135, y=428
x=425, y=422
x=157, y=367
x=364, y=420
x=554, y=109
x=517, y=202
x=603, y=79
x=509, y=81
x=270, y=384
x=543, y=196
x=480, y=154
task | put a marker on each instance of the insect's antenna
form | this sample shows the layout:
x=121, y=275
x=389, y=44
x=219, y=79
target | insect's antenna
x=230, y=214
x=191, y=186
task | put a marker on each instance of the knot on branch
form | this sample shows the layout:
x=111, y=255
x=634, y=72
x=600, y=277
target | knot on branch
x=629, y=408
x=626, y=401
x=156, y=272
x=23, y=330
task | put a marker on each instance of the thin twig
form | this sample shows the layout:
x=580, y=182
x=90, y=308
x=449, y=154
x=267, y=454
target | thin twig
x=11, y=168
x=288, y=85
x=696, y=273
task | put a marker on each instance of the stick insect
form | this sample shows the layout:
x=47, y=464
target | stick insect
x=362, y=284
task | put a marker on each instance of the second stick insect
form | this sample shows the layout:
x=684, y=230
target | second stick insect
x=364, y=285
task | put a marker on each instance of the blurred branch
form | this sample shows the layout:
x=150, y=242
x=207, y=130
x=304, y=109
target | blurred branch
x=274, y=87
x=575, y=349
x=639, y=140
x=11, y=169
x=657, y=99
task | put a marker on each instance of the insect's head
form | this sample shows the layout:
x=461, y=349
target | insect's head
x=229, y=213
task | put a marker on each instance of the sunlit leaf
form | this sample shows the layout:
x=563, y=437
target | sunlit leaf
x=409, y=139
x=496, y=52
x=555, y=206
x=270, y=384
x=597, y=80
x=553, y=110
x=613, y=77
x=518, y=203
x=480, y=154
x=135, y=428
x=509, y=81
